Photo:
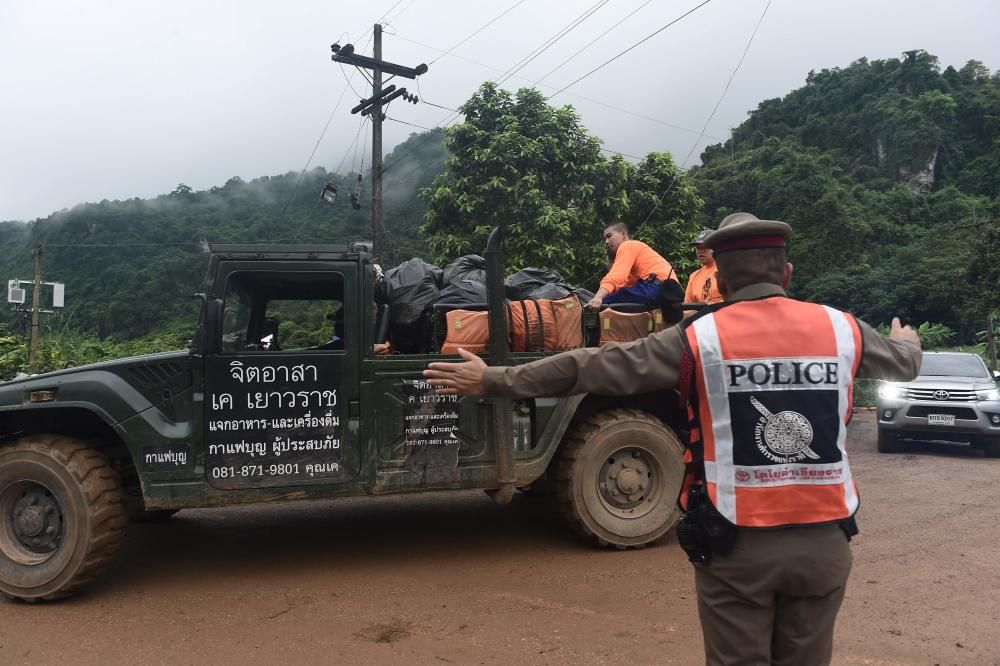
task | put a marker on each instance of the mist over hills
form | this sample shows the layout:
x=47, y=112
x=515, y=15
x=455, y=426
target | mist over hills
x=889, y=171
x=130, y=266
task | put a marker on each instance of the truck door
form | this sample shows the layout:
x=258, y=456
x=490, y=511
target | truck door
x=279, y=386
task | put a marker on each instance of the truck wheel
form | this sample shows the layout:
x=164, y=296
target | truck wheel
x=62, y=516
x=992, y=448
x=619, y=474
x=888, y=442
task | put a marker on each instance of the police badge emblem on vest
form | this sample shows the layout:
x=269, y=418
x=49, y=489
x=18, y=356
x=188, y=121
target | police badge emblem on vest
x=784, y=436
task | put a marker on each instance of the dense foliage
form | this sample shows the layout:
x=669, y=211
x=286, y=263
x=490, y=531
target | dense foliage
x=889, y=170
x=534, y=168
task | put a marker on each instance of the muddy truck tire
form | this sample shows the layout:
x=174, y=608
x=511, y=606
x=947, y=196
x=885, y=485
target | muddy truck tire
x=62, y=516
x=618, y=476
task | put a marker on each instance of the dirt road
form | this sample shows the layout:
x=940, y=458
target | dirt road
x=454, y=579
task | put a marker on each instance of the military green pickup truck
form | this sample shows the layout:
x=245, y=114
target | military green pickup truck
x=246, y=417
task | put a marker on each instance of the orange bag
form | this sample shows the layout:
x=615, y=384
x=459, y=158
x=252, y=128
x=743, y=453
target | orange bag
x=468, y=330
x=568, y=315
x=624, y=326
x=531, y=326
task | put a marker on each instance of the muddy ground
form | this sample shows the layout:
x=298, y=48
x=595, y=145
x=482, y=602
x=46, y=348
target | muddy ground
x=454, y=579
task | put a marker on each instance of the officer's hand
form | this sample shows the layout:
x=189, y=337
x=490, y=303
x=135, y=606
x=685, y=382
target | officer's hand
x=903, y=333
x=594, y=304
x=458, y=378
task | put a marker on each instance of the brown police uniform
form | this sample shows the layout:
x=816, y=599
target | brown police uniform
x=774, y=597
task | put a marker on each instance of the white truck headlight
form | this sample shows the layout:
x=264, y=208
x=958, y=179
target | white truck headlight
x=889, y=391
x=988, y=394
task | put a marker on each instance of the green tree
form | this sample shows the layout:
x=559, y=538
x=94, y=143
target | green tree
x=535, y=168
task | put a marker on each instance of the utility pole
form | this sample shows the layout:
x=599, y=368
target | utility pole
x=35, y=307
x=377, y=118
x=375, y=106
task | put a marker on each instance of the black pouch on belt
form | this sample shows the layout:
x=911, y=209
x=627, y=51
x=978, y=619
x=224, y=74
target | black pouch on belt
x=691, y=539
x=720, y=534
x=703, y=531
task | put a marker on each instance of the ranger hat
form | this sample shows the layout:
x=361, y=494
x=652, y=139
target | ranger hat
x=702, y=235
x=743, y=231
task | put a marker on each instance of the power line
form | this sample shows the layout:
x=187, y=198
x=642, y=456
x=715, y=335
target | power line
x=591, y=43
x=739, y=64
x=357, y=145
x=406, y=122
x=401, y=12
x=551, y=41
x=480, y=29
x=315, y=148
x=348, y=81
x=517, y=66
x=298, y=232
x=323, y=133
x=618, y=152
x=438, y=106
x=441, y=131
x=353, y=144
x=575, y=95
x=704, y=127
x=455, y=113
x=644, y=39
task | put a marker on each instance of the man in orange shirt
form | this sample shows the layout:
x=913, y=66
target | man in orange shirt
x=703, y=287
x=636, y=271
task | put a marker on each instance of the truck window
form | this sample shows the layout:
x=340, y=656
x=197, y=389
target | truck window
x=283, y=311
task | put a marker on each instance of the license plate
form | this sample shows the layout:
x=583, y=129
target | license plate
x=941, y=419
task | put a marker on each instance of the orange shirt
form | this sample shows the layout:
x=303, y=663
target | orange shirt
x=702, y=286
x=635, y=261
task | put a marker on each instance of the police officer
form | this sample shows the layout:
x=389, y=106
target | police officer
x=770, y=497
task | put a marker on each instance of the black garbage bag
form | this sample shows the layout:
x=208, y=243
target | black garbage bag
x=463, y=292
x=585, y=295
x=399, y=282
x=409, y=289
x=550, y=291
x=468, y=267
x=524, y=283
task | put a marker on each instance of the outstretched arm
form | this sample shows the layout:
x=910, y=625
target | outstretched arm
x=893, y=358
x=641, y=366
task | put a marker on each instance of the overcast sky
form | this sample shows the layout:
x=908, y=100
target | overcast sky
x=112, y=99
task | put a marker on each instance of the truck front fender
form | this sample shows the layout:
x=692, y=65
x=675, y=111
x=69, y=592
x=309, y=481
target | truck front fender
x=103, y=393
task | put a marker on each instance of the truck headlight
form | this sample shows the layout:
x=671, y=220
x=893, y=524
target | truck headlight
x=889, y=391
x=988, y=394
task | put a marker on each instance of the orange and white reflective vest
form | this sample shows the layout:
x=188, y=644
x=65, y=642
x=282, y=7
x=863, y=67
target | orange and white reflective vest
x=772, y=382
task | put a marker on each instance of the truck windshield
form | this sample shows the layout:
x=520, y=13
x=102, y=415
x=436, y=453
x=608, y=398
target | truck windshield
x=953, y=365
